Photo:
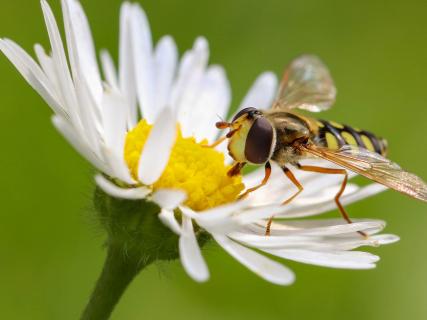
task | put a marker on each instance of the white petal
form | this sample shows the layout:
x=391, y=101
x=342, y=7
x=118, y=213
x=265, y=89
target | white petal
x=264, y=267
x=311, y=242
x=333, y=225
x=69, y=133
x=126, y=64
x=157, y=149
x=117, y=165
x=89, y=116
x=218, y=220
x=165, y=62
x=168, y=218
x=318, y=234
x=47, y=64
x=211, y=104
x=219, y=224
x=114, y=117
x=169, y=199
x=143, y=60
x=383, y=239
x=256, y=213
x=45, y=61
x=81, y=48
x=331, y=259
x=109, y=69
x=325, y=226
x=308, y=209
x=32, y=74
x=218, y=213
x=186, y=88
x=122, y=193
x=65, y=82
x=262, y=92
x=189, y=250
x=84, y=67
x=327, y=194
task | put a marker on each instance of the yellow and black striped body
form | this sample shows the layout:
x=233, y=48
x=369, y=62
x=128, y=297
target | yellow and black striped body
x=335, y=135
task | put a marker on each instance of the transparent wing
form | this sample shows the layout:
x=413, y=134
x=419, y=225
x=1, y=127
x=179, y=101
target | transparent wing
x=306, y=84
x=374, y=167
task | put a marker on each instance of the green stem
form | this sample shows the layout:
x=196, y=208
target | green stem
x=119, y=270
x=135, y=238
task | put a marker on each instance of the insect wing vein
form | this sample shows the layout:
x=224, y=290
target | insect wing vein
x=374, y=167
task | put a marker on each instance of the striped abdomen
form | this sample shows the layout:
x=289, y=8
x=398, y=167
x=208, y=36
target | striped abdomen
x=334, y=135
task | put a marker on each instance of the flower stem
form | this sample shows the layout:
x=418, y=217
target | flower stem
x=135, y=238
x=119, y=270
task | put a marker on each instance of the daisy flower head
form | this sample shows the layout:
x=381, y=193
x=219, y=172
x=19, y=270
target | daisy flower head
x=144, y=126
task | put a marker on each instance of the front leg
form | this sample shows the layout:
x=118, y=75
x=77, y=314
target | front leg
x=263, y=182
x=215, y=143
x=220, y=140
x=294, y=180
x=235, y=169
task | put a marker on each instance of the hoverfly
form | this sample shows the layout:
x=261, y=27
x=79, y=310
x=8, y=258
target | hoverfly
x=286, y=137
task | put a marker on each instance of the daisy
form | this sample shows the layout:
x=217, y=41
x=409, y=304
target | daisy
x=144, y=127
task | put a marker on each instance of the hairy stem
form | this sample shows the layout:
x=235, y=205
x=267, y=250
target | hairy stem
x=135, y=238
x=119, y=270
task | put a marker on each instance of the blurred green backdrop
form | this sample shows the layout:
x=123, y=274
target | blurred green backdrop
x=51, y=248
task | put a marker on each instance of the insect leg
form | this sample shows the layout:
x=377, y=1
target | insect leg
x=340, y=192
x=294, y=180
x=222, y=125
x=263, y=182
x=220, y=140
x=214, y=144
x=235, y=169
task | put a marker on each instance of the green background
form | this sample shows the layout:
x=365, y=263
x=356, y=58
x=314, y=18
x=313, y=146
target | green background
x=51, y=247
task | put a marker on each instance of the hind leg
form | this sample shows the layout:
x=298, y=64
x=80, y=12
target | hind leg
x=340, y=192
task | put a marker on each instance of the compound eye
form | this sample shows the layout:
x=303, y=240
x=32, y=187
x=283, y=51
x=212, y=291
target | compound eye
x=259, y=141
x=242, y=112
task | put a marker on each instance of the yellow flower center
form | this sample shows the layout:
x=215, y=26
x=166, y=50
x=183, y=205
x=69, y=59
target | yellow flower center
x=197, y=170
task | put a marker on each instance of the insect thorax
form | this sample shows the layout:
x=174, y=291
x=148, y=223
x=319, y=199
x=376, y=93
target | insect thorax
x=290, y=128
